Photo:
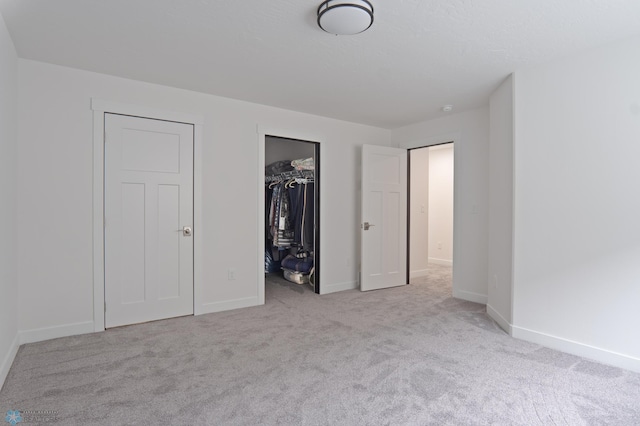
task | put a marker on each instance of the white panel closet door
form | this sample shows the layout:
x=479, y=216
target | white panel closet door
x=384, y=218
x=148, y=199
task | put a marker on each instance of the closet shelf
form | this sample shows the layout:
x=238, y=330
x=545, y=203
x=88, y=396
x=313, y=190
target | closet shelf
x=294, y=174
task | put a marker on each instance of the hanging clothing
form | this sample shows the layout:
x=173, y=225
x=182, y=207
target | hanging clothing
x=296, y=198
x=272, y=260
x=281, y=230
x=290, y=205
x=308, y=218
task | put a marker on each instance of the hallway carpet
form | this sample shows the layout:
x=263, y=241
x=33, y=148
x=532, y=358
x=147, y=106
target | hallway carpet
x=403, y=356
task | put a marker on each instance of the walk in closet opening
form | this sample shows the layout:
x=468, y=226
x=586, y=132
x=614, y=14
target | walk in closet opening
x=292, y=218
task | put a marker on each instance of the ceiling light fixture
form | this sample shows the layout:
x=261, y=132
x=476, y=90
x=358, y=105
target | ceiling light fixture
x=345, y=17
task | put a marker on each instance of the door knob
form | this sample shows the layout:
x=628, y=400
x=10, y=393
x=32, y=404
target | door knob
x=367, y=225
x=186, y=231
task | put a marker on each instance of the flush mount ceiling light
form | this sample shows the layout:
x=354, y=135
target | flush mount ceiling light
x=345, y=17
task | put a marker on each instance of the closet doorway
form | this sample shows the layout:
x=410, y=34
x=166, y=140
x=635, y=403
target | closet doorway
x=431, y=201
x=292, y=213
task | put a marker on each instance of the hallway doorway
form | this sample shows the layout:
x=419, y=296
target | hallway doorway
x=431, y=195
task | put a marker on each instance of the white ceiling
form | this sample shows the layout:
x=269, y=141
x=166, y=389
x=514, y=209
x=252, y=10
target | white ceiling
x=417, y=56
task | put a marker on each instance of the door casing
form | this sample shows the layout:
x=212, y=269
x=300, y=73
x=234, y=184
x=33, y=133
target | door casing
x=454, y=138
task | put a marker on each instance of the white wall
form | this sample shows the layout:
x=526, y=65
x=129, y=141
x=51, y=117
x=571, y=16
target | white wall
x=419, y=212
x=470, y=131
x=55, y=189
x=8, y=157
x=441, y=204
x=577, y=204
x=501, y=204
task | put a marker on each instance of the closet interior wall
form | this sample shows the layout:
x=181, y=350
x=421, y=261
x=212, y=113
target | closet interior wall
x=291, y=253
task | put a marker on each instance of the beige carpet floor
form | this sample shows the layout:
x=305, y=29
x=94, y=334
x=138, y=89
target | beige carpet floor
x=404, y=356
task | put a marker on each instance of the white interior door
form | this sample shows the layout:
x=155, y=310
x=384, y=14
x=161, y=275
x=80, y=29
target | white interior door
x=384, y=218
x=148, y=199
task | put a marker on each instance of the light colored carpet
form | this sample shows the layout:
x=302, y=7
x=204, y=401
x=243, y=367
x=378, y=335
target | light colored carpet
x=409, y=355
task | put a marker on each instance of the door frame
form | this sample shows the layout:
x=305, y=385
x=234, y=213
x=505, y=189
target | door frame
x=263, y=132
x=457, y=213
x=99, y=108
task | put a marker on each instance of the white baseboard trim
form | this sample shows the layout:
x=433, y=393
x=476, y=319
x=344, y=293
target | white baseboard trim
x=419, y=273
x=444, y=262
x=227, y=305
x=470, y=296
x=332, y=288
x=502, y=322
x=7, y=361
x=576, y=348
x=47, y=333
